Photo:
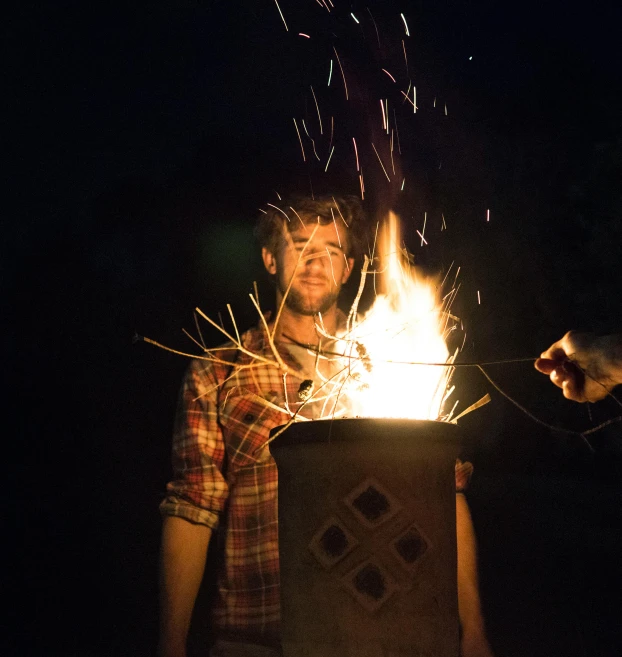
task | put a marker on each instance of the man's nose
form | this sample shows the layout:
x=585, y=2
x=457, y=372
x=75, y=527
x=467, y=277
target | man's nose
x=316, y=259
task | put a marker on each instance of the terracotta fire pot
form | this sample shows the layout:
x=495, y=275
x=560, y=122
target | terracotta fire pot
x=367, y=538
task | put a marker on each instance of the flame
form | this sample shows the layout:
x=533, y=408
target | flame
x=406, y=324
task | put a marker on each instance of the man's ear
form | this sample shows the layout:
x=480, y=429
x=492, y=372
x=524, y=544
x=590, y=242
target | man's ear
x=269, y=260
x=348, y=270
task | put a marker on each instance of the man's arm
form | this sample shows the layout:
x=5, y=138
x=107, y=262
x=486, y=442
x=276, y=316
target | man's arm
x=473, y=642
x=194, y=499
x=585, y=366
x=182, y=563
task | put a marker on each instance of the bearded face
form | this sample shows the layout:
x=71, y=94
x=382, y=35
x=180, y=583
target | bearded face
x=310, y=267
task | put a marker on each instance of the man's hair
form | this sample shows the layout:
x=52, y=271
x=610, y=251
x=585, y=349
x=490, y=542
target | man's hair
x=288, y=213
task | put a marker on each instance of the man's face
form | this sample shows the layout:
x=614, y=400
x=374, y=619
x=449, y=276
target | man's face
x=311, y=258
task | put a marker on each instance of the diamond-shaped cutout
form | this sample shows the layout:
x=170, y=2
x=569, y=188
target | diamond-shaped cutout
x=372, y=503
x=370, y=584
x=409, y=547
x=332, y=542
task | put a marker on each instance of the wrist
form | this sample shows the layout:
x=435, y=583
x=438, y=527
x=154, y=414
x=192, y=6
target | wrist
x=172, y=647
x=611, y=349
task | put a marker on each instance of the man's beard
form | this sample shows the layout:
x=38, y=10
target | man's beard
x=300, y=304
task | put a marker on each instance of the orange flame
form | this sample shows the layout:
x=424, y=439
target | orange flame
x=405, y=328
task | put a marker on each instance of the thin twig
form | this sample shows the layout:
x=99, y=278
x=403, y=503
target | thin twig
x=532, y=416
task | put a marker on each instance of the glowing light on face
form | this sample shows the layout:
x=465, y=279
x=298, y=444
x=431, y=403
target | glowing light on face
x=311, y=267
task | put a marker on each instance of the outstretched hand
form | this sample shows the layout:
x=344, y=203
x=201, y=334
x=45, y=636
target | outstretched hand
x=584, y=366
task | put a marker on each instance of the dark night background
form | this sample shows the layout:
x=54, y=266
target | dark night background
x=138, y=148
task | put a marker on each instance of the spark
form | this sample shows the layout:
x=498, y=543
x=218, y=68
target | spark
x=340, y=213
x=345, y=257
x=318, y=110
x=434, y=105
x=470, y=58
x=343, y=75
x=397, y=133
x=280, y=199
x=328, y=161
x=260, y=210
x=405, y=56
x=384, y=118
x=403, y=181
x=304, y=125
x=392, y=161
x=280, y=12
x=425, y=219
x=487, y=215
x=387, y=72
x=332, y=269
x=330, y=73
x=479, y=300
x=405, y=25
x=332, y=212
x=443, y=225
x=332, y=125
x=374, y=22
x=382, y=165
x=356, y=153
x=386, y=102
x=423, y=240
x=304, y=159
x=407, y=98
x=299, y=219
x=304, y=35
x=414, y=99
x=355, y=18
x=362, y=186
x=279, y=209
x=445, y=109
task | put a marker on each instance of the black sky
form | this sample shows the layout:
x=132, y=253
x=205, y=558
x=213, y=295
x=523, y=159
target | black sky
x=139, y=146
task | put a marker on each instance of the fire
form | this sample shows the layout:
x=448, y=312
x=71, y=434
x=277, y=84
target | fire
x=406, y=324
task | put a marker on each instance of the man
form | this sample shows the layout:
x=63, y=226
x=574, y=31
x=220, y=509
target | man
x=585, y=366
x=225, y=477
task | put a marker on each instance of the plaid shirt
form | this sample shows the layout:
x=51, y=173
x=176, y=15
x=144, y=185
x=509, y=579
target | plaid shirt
x=223, y=471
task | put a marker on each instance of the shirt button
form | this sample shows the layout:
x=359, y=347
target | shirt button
x=249, y=418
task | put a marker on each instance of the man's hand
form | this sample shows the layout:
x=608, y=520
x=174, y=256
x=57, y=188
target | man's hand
x=475, y=645
x=586, y=367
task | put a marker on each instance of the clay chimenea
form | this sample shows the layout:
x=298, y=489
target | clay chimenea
x=367, y=538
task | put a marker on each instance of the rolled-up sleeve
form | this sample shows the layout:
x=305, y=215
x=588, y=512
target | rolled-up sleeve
x=198, y=490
